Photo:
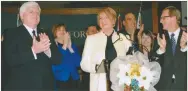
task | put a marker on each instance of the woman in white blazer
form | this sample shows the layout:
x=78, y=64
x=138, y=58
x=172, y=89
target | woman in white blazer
x=106, y=44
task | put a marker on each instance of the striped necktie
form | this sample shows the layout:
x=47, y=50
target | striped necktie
x=173, y=41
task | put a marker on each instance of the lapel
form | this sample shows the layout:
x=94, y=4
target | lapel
x=114, y=37
x=168, y=55
x=178, y=42
x=116, y=42
x=169, y=44
x=24, y=34
x=102, y=39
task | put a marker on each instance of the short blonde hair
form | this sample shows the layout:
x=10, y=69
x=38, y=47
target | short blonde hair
x=29, y=4
x=110, y=13
x=173, y=11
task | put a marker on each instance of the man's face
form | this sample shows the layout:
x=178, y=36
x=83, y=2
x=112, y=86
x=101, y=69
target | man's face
x=130, y=22
x=166, y=20
x=31, y=16
x=91, y=30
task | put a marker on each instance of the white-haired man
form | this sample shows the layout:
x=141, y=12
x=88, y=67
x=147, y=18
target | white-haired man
x=30, y=57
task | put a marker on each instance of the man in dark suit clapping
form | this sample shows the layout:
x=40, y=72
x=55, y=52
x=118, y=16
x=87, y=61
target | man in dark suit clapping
x=30, y=53
x=173, y=45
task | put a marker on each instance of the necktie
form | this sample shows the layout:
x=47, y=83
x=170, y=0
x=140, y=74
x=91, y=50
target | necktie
x=173, y=41
x=34, y=34
x=110, y=51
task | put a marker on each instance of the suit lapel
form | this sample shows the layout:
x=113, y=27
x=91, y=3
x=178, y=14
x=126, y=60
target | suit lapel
x=25, y=35
x=114, y=37
x=178, y=42
x=168, y=45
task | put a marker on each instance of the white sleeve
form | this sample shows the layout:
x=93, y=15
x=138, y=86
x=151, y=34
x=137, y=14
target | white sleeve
x=48, y=53
x=35, y=56
x=184, y=49
x=160, y=51
x=86, y=62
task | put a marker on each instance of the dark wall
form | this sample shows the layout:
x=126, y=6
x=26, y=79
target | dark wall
x=76, y=24
x=164, y=4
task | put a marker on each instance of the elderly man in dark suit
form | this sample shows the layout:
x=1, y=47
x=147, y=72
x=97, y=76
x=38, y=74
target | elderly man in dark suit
x=30, y=53
x=173, y=45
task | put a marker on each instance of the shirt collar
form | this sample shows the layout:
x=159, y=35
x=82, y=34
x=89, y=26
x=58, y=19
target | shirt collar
x=176, y=33
x=30, y=30
x=110, y=34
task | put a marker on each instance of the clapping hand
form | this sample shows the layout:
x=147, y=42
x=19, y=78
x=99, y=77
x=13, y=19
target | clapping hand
x=183, y=41
x=70, y=44
x=69, y=41
x=161, y=42
x=42, y=45
x=45, y=39
x=65, y=40
x=139, y=35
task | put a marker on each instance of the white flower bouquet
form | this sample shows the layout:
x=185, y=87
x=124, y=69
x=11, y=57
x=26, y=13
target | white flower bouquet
x=134, y=73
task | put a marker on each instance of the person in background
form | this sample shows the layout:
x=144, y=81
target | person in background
x=30, y=53
x=146, y=45
x=147, y=42
x=173, y=45
x=129, y=24
x=130, y=30
x=66, y=73
x=106, y=44
x=91, y=30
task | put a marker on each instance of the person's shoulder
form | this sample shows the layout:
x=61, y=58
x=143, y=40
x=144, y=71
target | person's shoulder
x=94, y=36
x=124, y=36
x=11, y=30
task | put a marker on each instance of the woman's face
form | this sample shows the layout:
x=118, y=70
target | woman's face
x=105, y=22
x=146, y=40
x=60, y=31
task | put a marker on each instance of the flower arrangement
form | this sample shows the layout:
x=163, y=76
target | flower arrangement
x=134, y=77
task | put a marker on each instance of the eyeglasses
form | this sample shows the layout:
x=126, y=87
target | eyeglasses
x=163, y=17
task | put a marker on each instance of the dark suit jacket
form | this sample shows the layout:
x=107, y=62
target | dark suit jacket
x=26, y=72
x=176, y=64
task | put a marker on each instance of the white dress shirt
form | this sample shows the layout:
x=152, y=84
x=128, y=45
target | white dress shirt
x=30, y=30
x=176, y=35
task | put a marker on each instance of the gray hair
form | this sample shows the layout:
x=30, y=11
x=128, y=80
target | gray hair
x=26, y=5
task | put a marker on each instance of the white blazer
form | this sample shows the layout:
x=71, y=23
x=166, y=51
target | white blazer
x=94, y=53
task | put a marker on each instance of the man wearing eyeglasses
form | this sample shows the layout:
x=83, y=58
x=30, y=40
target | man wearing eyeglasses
x=173, y=46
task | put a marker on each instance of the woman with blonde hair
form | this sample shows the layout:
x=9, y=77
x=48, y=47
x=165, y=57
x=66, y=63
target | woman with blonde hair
x=106, y=44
